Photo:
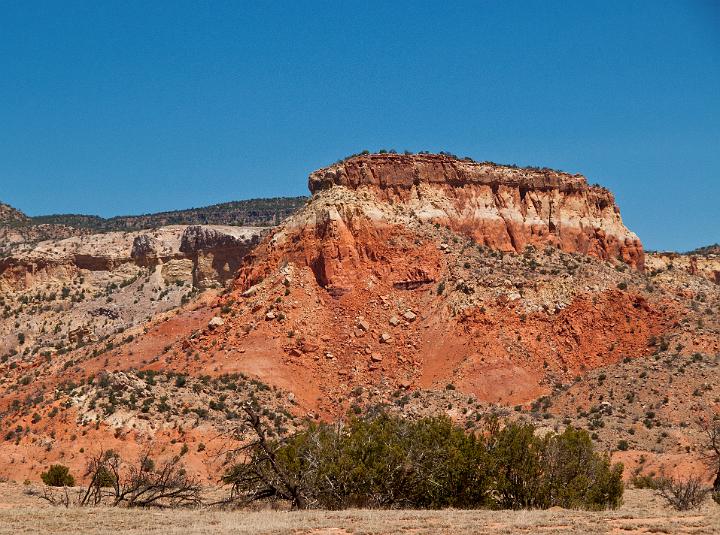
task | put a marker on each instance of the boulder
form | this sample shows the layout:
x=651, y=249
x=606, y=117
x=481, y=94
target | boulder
x=216, y=322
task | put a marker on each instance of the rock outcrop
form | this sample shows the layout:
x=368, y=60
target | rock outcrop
x=201, y=255
x=427, y=270
x=705, y=265
x=427, y=285
x=503, y=207
x=218, y=251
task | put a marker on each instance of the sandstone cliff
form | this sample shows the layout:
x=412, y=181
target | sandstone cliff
x=503, y=207
x=217, y=252
x=199, y=255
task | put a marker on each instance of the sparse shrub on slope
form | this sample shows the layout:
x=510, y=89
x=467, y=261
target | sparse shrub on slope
x=378, y=460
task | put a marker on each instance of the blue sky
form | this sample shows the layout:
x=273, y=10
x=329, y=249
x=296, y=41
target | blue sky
x=129, y=107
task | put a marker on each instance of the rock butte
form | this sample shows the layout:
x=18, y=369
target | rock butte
x=371, y=288
x=502, y=207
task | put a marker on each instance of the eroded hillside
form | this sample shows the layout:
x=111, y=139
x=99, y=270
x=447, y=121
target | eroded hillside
x=424, y=282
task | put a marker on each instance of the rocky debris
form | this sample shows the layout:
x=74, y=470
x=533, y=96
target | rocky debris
x=216, y=322
x=11, y=216
x=386, y=338
x=409, y=315
x=706, y=265
x=79, y=335
x=107, y=312
x=250, y=291
x=376, y=357
x=605, y=407
x=308, y=346
x=394, y=321
x=270, y=316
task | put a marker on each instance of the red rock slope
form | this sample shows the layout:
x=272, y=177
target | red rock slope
x=419, y=271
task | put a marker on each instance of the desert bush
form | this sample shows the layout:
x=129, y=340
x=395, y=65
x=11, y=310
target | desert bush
x=684, y=494
x=378, y=460
x=646, y=482
x=556, y=470
x=58, y=476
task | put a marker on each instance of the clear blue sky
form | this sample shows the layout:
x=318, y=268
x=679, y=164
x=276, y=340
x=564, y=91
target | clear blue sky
x=116, y=107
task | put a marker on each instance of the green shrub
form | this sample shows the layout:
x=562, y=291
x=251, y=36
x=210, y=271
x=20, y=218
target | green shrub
x=647, y=482
x=58, y=476
x=105, y=478
x=557, y=470
x=384, y=461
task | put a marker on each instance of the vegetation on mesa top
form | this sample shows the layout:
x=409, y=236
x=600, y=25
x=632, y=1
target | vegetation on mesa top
x=252, y=212
x=708, y=249
x=454, y=157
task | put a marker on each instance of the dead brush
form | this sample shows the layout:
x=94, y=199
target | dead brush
x=683, y=494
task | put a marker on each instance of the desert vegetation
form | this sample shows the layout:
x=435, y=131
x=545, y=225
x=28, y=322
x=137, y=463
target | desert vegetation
x=251, y=212
x=381, y=461
x=374, y=460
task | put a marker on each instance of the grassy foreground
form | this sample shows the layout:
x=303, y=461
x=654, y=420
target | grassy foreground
x=641, y=512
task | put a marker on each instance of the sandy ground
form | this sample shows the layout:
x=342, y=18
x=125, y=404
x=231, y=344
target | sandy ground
x=642, y=512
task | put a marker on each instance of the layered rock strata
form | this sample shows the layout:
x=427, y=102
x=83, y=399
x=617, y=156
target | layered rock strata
x=201, y=255
x=503, y=207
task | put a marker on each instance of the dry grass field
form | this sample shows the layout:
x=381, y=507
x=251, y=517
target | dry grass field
x=642, y=512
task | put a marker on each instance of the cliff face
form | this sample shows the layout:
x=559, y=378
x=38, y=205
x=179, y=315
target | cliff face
x=502, y=207
x=202, y=255
x=218, y=251
x=390, y=279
